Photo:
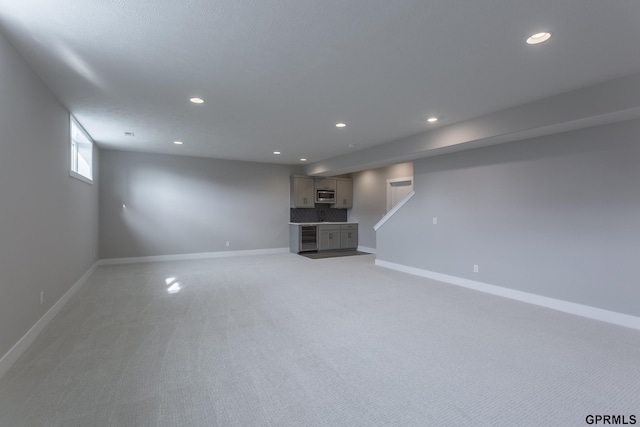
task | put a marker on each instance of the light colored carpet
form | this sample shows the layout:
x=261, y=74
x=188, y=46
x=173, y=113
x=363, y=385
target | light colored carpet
x=281, y=340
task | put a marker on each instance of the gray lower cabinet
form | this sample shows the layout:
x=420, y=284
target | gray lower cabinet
x=332, y=237
x=328, y=237
x=349, y=239
x=294, y=238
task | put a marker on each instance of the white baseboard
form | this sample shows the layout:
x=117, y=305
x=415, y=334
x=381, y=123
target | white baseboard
x=200, y=255
x=555, y=304
x=21, y=346
x=366, y=249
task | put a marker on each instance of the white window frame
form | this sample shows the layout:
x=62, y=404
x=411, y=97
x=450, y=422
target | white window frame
x=73, y=152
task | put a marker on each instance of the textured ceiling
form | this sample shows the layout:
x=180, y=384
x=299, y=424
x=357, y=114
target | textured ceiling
x=278, y=75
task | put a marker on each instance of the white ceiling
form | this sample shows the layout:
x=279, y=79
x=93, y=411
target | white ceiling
x=279, y=74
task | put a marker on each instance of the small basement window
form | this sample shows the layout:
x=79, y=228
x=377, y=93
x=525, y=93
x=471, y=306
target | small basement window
x=81, y=153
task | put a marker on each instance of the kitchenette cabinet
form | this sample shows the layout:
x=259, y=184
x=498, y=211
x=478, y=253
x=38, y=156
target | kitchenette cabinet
x=322, y=236
x=344, y=193
x=305, y=192
x=302, y=192
x=328, y=237
x=349, y=236
x=325, y=184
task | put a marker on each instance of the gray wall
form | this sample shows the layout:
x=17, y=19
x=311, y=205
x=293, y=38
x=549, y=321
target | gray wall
x=557, y=216
x=179, y=205
x=48, y=220
x=370, y=198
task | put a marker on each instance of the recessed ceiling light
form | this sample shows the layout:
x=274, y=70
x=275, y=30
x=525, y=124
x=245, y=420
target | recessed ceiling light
x=303, y=160
x=340, y=125
x=538, y=38
x=178, y=142
x=432, y=119
x=276, y=152
x=197, y=100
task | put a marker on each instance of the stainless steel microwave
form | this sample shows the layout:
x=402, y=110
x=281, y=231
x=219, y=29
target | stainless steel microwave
x=325, y=196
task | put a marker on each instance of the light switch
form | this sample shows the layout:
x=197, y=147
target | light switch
x=435, y=220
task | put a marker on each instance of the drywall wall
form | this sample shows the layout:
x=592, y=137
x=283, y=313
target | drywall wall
x=181, y=205
x=370, y=198
x=48, y=220
x=556, y=216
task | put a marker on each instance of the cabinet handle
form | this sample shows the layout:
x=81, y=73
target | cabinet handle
x=349, y=235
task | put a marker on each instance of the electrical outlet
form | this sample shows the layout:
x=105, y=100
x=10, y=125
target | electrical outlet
x=435, y=220
x=227, y=243
x=41, y=297
x=475, y=268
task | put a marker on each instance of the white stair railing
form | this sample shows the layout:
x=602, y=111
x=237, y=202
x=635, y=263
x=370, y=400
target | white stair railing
x=393, y=210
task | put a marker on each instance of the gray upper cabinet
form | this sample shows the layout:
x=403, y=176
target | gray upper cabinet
x=344, y=193
x=326, y=184
x=302, y=192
